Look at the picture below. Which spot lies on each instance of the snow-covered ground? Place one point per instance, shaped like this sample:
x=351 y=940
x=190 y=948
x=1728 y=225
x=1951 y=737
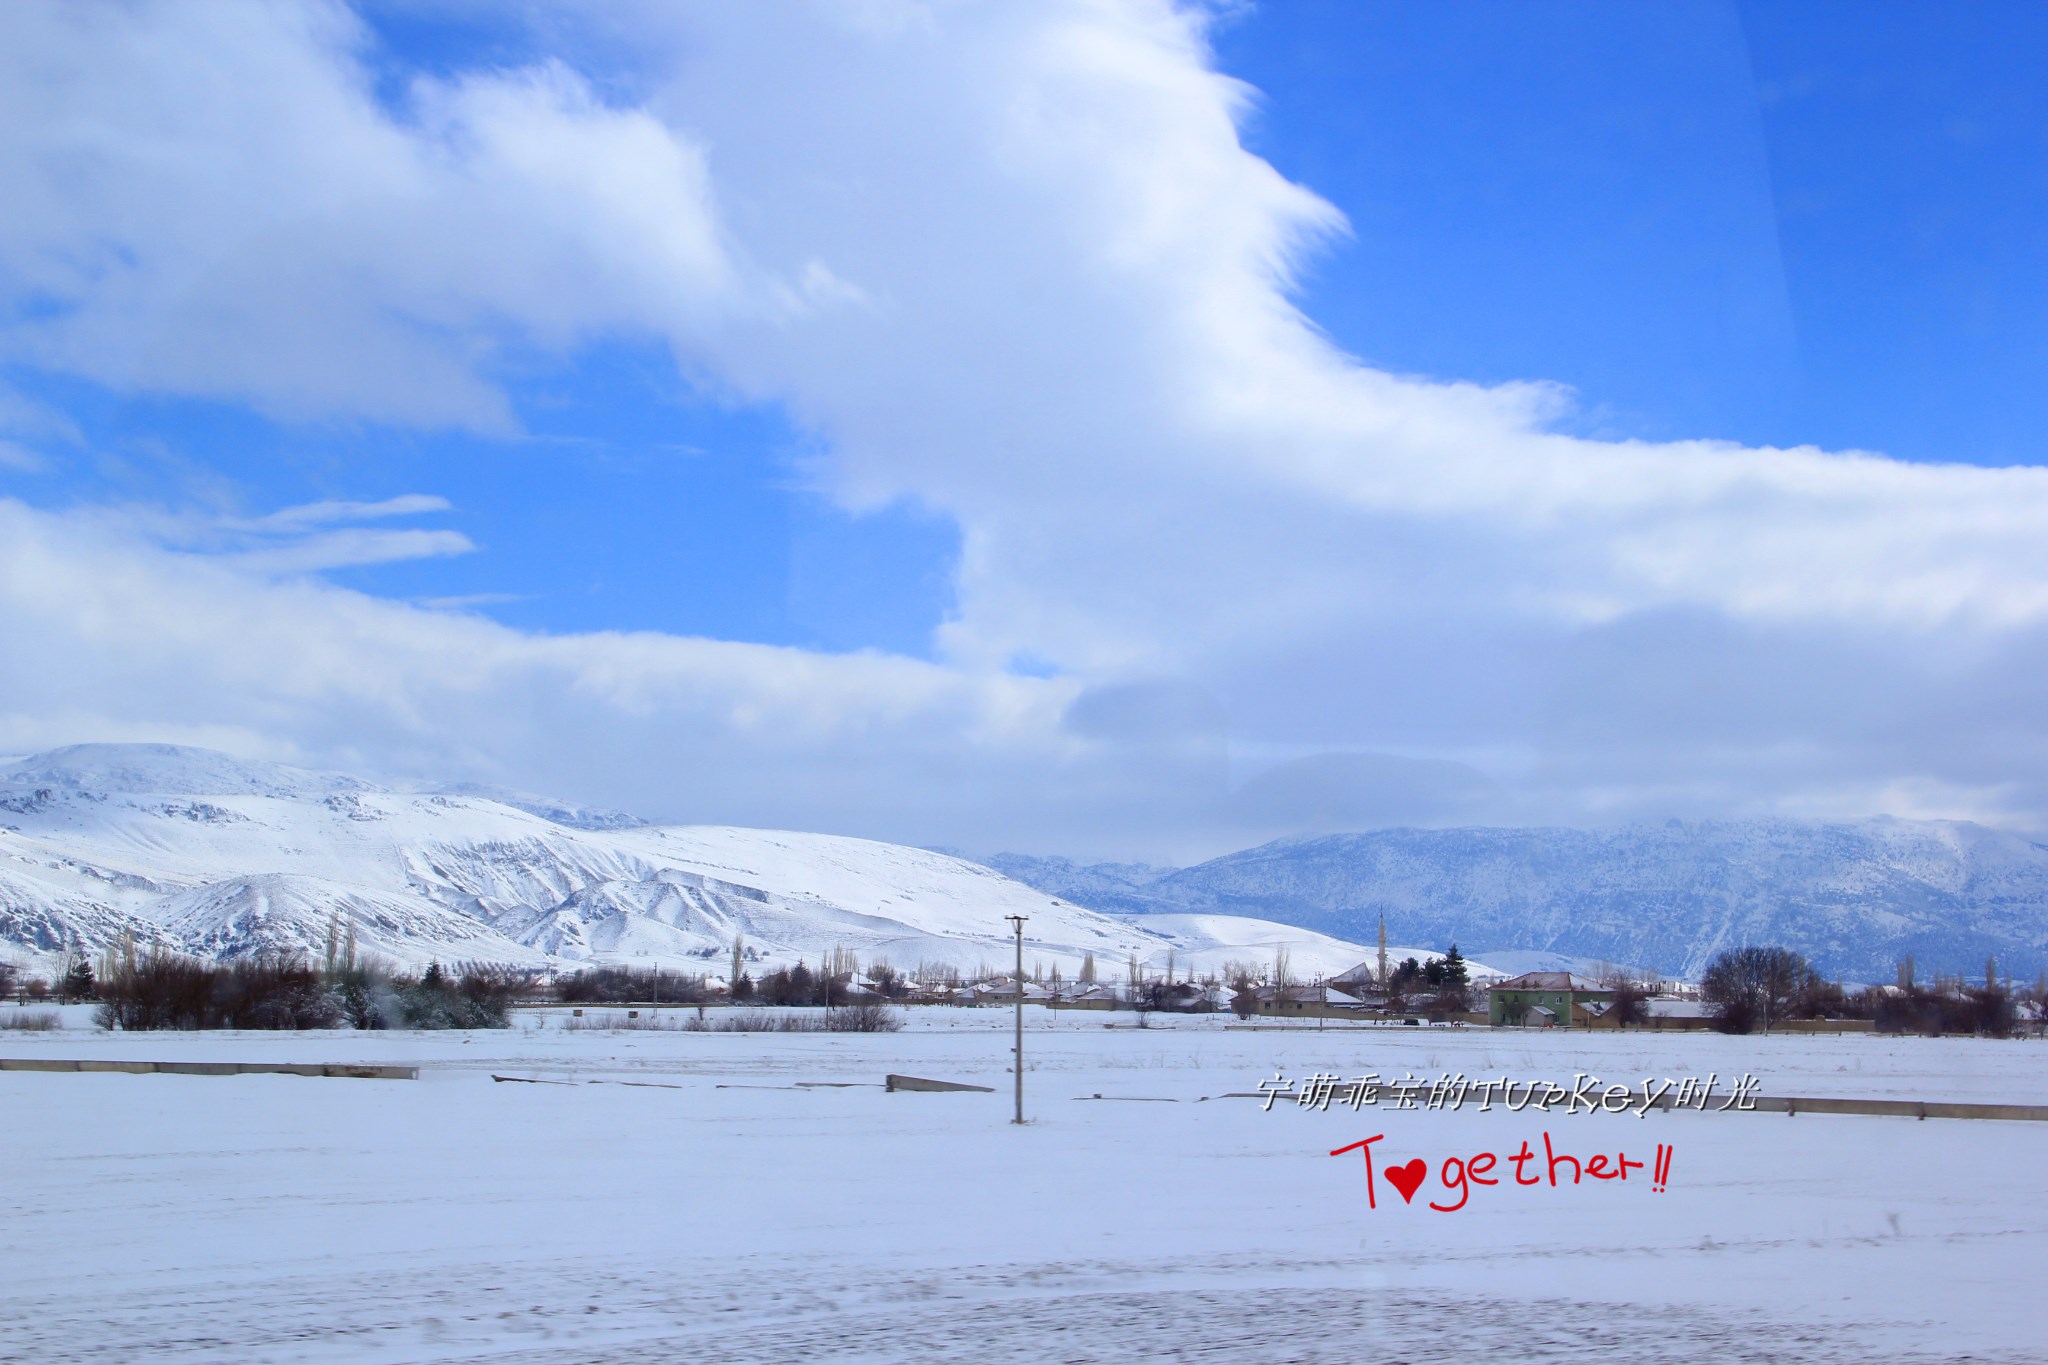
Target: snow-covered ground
x=723 y=1210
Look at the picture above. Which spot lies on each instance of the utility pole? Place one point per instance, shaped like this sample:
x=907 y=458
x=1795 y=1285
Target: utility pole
x=1018 y=1051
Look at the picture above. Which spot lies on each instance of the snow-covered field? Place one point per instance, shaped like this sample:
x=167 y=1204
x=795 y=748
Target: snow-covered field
x=722 y=1211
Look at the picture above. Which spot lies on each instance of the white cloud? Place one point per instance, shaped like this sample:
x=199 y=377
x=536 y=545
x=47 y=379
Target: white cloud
x=351 y=548
x=133 y=640
x=323 y=513
x=26 y=426
x=16 y=456
x=23 y=416
x=209 y=199
x=1010 y=261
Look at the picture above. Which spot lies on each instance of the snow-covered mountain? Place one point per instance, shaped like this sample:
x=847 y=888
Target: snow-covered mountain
x=1854 y=897
x=1114 y=888
x=215 y=855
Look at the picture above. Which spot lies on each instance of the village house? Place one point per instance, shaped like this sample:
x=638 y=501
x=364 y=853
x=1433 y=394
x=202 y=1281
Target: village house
x=1002 y=991
x=1090 y=997
x=1361 y=983
x=1547 y=1000
x=1665 y=1013
x=1321 y=1000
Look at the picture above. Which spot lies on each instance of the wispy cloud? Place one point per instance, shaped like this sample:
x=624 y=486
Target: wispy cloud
x=27 y=426
x=352 y=548
x=324 y=513
x=304 y=539
x=16 y=456
x=468 y=601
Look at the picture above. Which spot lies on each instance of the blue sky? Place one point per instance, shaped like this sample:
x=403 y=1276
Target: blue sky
x=1777 y=223
x=626 y=501
x=961 y=339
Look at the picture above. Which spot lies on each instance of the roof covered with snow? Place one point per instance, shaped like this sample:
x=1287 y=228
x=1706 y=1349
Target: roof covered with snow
x=1548 y=981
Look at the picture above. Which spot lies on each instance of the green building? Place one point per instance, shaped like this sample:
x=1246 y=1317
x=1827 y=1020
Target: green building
x=1545 y=999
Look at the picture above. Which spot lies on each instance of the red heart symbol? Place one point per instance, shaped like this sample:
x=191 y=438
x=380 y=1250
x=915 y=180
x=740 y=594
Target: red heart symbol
x=1408 y=1179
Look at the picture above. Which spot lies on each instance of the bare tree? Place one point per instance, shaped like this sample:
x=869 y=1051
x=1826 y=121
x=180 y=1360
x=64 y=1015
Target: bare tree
x=1754 y=987
x=1631 y=1002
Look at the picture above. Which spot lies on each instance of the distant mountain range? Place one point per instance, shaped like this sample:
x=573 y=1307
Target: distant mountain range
x=208 y=854
x=214 y=855
x=1854 y=897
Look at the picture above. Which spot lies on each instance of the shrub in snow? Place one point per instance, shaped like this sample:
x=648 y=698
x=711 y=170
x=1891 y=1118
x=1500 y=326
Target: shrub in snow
x=480 y=997
x=160 y=989
x=630 y=985
x=862 y=1018
x=166 y=990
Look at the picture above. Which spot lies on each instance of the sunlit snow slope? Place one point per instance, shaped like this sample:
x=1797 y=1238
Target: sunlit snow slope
x=212 y=855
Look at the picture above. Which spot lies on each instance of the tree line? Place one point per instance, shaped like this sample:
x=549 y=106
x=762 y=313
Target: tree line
x=1756 y=988
x=159 y=989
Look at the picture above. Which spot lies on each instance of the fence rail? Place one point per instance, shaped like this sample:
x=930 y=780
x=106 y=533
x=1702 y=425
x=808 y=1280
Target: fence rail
x=1416 y=1098
x=353 y=1070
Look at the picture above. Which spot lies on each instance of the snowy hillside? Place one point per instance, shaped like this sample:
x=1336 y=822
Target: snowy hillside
x=1854 y=897
x=217 y=856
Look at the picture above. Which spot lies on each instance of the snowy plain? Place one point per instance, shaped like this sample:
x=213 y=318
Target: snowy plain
x=718 y=1209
